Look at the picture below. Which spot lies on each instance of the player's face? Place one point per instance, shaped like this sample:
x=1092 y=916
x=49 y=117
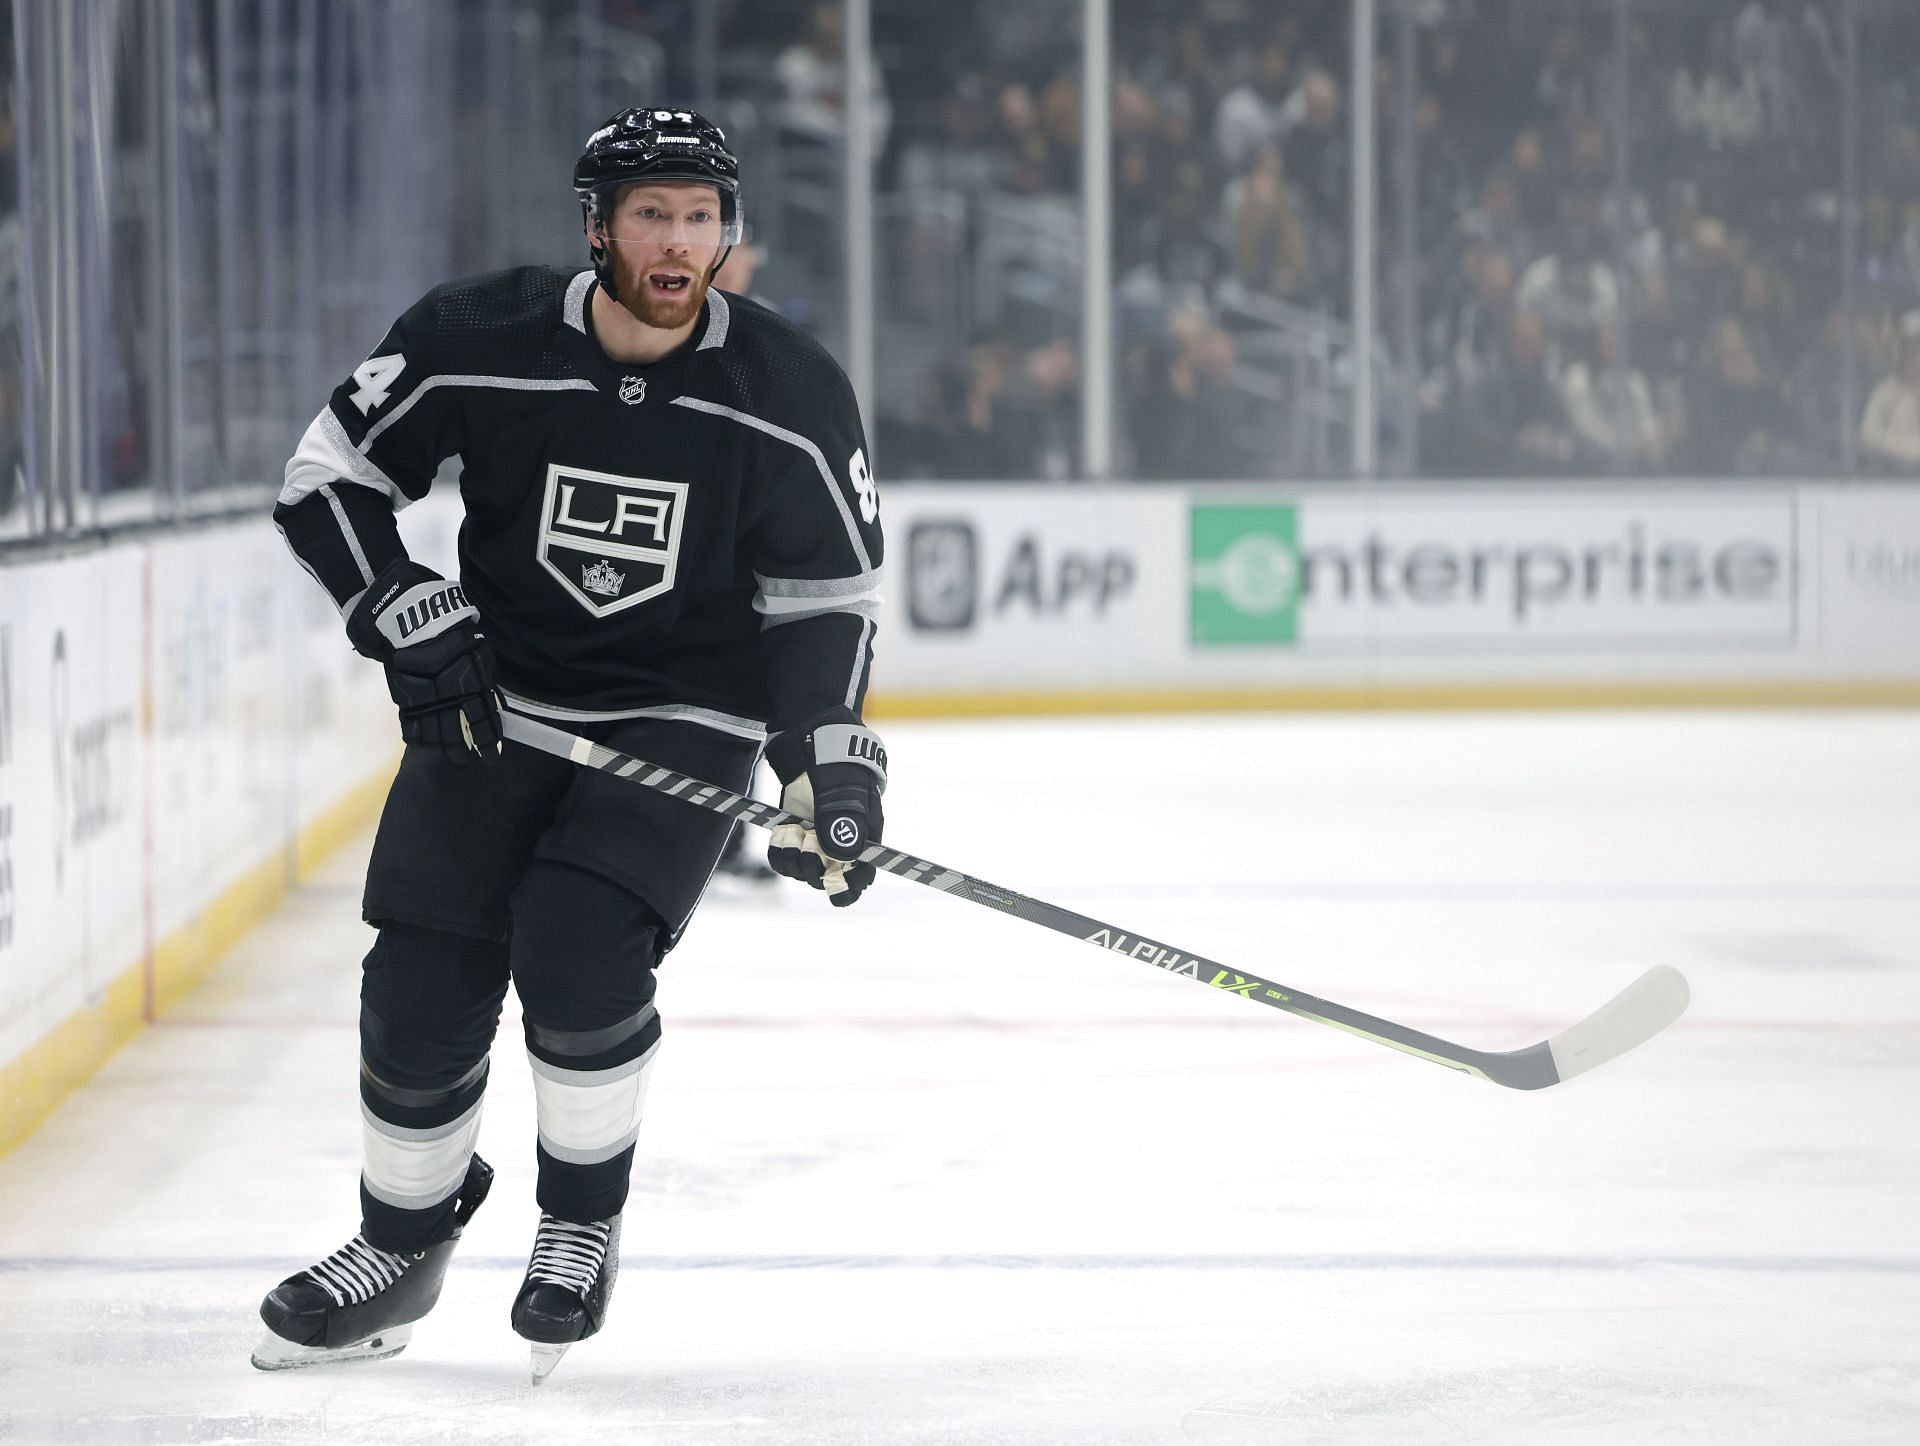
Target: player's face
x=663 y=241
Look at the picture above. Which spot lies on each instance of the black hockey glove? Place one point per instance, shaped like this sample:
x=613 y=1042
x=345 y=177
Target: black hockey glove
x=833 y=771
x=439 y=663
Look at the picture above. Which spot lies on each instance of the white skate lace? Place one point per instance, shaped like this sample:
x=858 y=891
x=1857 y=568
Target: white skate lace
x=568 y=1254
x=358 y=1271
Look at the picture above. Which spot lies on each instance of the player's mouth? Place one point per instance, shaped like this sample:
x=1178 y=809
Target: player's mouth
x=669 y=283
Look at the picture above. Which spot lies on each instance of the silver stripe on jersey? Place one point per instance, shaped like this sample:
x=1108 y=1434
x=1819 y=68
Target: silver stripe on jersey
x=796 y=611
x=674 y=712
x=794 y=599
x=719 y=317
x=327 y=454
x=346 y=528
x=859 y=664
x=574 y=309
x=511 y=384
x=806 y=445
x=861 y=584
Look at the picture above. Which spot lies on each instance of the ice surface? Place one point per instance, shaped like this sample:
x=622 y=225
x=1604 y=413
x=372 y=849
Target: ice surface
x=921 y=1173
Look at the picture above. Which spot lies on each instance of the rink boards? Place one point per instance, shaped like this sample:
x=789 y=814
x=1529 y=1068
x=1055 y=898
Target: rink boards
x=182 y=729
x=181 y=721
x=1006 y=597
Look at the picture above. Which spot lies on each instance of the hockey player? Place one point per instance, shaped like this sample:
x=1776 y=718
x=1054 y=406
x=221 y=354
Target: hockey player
x=671 y=544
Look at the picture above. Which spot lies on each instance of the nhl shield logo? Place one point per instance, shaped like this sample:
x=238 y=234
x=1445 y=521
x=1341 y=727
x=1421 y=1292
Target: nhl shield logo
x=610 y=541
x=633 y=390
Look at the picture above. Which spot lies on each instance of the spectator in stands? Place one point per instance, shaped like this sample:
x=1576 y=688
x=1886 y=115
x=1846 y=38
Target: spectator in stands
x=1536 y=435
x=1571 y=80
x=1502 y=417
x=1737 y=419
x=1185 y=404
x=812 y=73
x=1610 y=406
x=737 y=272
x=1443 y=176
x=957 y=155
x=1316 y=150
x=1024 y=141
x=1496 y=221
x=1270 y=254
x=1467 y=345
x=1788 y=52
x=1574 y=292
x=1252 y=116
x=998 y=413
x=1890 y=239
x=1890 y=430
x=1536 y=188
x=1708 y=280
x=1713 y=102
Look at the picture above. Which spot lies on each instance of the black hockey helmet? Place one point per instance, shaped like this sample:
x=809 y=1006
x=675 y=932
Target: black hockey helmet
x=644 y=144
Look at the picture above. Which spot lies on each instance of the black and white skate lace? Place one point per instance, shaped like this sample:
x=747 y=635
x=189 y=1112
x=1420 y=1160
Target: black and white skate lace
x=358 y=1271
x=567 y=1254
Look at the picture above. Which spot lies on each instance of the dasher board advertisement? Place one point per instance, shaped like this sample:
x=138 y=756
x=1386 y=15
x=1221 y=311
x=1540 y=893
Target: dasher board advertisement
x=1393 y=574
x=1012 y=589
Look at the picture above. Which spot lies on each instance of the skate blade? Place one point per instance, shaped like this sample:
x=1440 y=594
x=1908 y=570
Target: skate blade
x=274 y=1354
x=545 y=1358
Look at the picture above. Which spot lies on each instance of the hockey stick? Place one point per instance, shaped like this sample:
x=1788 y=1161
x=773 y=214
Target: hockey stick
x=1630 y=1018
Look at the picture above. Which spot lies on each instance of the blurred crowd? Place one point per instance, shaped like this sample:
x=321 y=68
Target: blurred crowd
x=1644 y=267
x=1682 y=243
x=1626 y=252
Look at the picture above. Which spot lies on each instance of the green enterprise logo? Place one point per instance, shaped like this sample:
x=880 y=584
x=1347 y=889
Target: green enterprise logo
x=1244 y=567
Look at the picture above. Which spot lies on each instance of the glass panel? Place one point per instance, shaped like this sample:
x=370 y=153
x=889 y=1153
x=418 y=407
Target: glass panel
x=1731 y=241
x=205 y=240
x=1630 y=233
x=978 y=239
x=1232 y=174
x=16 y=509
x=1513 y=155
x=780 y=77
x=1883 y=406
x=120 y=292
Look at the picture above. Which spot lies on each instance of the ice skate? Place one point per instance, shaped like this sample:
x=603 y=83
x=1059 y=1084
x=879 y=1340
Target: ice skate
x=569 y=1282
x=360 y=1303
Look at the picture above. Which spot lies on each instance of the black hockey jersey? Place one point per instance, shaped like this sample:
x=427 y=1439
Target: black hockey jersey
x=696 y=538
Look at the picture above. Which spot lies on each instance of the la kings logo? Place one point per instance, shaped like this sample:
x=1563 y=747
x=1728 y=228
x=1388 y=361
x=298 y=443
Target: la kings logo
x=610 y=541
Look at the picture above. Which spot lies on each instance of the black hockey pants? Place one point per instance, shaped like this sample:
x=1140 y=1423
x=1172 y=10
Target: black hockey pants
x=569 y=884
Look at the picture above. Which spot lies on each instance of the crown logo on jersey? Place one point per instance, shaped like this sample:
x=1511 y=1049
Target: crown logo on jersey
x=633 y=390
x=600 y=577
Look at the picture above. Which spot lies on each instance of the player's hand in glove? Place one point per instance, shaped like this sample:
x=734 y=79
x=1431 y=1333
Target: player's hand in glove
x=439 y=663
x=833 y=771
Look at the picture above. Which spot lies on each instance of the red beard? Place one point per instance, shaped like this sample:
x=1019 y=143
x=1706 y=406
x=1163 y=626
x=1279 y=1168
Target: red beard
x=667 y=311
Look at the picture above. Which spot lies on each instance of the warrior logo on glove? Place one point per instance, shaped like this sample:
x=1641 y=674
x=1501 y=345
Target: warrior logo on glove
x=439 y=664
x=834 y=771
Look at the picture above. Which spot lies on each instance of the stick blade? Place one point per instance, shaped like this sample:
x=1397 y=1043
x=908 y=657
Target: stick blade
x=1631 y=1018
